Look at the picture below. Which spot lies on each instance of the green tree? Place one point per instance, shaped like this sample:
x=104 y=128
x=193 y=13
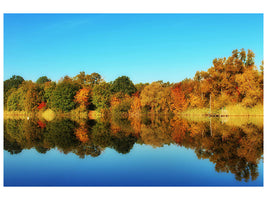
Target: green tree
x=16 y=100
x=123 y=84
x=101 y=95
x=80 y=78
x=94 y=79
x=12 y=83
x=63 y=96
x=42 y=80
x=49 y=88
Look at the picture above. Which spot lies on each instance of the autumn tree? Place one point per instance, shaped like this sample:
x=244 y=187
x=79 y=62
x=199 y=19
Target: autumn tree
x=178 y=98
x=155 y=97
x=27 y=97
x=135 y=109
x=33 y=96
x=249 y=87
x=230 y=80
x=65 y=79
x=83 y=97
x=140 y=86
x=120 y=105
x=195 y=101
x=187 y=86
x=86 y=79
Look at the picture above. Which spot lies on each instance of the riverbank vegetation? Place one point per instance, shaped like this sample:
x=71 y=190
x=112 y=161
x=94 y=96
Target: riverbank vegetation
x=231 y=86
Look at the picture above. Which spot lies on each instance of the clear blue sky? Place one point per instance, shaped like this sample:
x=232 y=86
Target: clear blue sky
x=145 y=47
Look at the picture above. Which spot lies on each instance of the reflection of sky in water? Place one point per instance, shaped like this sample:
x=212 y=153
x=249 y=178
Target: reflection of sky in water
x=144 y=165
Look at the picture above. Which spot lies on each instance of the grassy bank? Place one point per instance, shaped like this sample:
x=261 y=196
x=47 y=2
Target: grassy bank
x=238 y=121
x=230 y=110
x=243 y=111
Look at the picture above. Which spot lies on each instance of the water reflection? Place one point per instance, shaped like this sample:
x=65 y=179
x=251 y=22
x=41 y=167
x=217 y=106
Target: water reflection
x=233 y=145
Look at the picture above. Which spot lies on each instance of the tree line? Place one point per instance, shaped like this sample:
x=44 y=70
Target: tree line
x=232 y=80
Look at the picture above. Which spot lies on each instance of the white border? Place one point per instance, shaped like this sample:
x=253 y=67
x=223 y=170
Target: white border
x=124 y=6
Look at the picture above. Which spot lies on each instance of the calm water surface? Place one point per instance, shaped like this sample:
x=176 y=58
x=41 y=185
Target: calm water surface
x=138 y=152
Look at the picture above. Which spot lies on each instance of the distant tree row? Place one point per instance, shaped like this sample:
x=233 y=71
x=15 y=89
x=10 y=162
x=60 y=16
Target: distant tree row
x=231 y=80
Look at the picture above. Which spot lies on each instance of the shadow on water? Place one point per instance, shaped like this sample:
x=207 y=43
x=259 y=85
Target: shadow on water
x=234 y=145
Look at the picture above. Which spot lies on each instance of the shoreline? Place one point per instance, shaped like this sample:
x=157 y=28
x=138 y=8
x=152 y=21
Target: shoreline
x=93 y=114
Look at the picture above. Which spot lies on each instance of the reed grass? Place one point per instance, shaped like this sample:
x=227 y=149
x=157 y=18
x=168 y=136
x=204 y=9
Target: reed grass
x=229 y=110
x=238 y=109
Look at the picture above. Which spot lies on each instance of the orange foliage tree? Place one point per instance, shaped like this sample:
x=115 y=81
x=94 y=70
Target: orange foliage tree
x=178 y=98
x=83 y=97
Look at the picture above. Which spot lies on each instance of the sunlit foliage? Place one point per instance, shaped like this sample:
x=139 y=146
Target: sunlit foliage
x=155 y=97
x=235 y=80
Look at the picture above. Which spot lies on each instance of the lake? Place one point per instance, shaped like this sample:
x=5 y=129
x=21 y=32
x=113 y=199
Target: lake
x=144 y=151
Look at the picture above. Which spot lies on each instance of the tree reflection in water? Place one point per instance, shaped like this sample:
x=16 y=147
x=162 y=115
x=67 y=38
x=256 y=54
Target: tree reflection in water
x=233 y=146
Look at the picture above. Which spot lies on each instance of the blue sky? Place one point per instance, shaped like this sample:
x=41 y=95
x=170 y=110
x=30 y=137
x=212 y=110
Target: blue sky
x=145 y=47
